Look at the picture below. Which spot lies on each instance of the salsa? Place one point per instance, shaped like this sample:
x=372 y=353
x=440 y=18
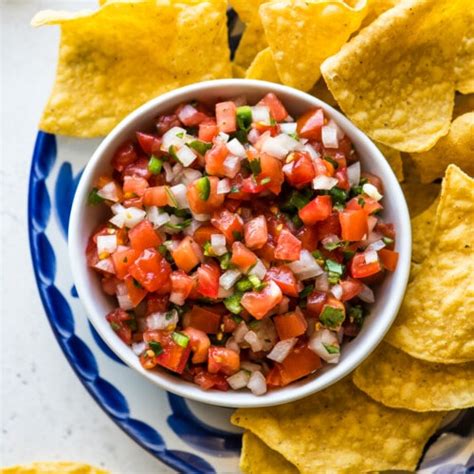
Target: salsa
x=242 y=244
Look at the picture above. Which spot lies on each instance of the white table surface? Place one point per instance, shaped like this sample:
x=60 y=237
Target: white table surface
x=46 y=414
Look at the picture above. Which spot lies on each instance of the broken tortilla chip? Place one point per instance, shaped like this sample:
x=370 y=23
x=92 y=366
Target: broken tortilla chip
x=398 y=380
x=103 y=74
x=53 y=467
x=263 y=67
x=435 y=321
x=464 y=67
x=397 y=87
x=302 y=34
x=320 y=90
x=457 y=147
x=359 y=434
x=393 y=158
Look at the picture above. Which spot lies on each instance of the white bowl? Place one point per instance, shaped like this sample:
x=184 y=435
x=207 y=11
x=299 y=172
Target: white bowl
x=84 y=219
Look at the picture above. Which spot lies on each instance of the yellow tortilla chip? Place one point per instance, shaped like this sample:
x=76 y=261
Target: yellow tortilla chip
x=321 y=91
x=397 y=380
x=257 y=458
x=53 y=467
x=436 y=322
x=302 y=34
x=375 y=8
x=456 y=147
x=238 y=71
x=464 y=68
x=463 y=104
x=340 y=429
x=394 y=159
x=422 y=227
x=263 y=67
x=252 y=42
x=103 y=74
x=397 y=86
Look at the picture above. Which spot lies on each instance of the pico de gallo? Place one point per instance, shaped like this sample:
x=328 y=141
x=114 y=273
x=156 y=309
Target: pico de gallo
x=242 y=244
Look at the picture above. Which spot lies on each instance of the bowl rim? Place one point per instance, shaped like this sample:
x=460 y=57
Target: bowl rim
x=177 y=385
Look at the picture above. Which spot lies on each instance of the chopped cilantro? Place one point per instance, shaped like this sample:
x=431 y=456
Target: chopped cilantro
x=306 y=291
x=93 y=199
x=156 y=347
x=357 y=315
x=335 y=271
x=255 y=166
x=339 y=196
x=244 y=285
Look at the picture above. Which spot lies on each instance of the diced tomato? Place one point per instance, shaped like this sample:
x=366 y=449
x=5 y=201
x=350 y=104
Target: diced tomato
x=207 y=381
x=316 y=301
x=149 y=143
x=301 y=361
x=208 y=279
x=118 y=320
x=199 y=342
x=272 y=128
x=309 y=125
x=242 y=257
x=369 y=205
x=309 y=237
x=323 y=167
x=250 y=185
x=208 y=131
x=203 y=234
x=125 y=155
x=291 y=324
x=215 y=158
x=354 y=225
x=138 y=168
x=259 y=303
x=302 y=171
x=229 y=323
x=122 y=260
x=237 y=192
x=181 y=284
x=350 y=288
x=151 y=270
x=256 y=232
x=389 y=259
x=387 y=230
x=288 y=246
x=273 y=377
x=190 y=119
x=342 y=179
x=134 y=185
x=156 y=303
x=166 y=122
x=277 y=109
x=329 y=226
x=360 y=269
x=285 y=279
x=204 y=206
x=135 y=291
x=267 y=252
x=271 y=170
x=229 y=223
x=157 y=196
x=226 y=116
x=223 y=360
x=143 y=236
x=109 y=284
x=317 y=210
x=203 y=319
x=187 y=254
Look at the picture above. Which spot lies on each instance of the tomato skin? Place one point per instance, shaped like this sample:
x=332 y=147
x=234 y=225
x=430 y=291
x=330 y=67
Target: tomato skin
x=389 y=259
x=200 y=206
x=118 y=319
x=277 y=109
x=203 y=234
x=302 y=171
x=350 y=288
x=288 y=246
x=186 y=255
x=122 y=260
x=208 y=279
x=290 y=325
x=316 y=210
x=208 y=130
x=259 y=303
x=360 y=269
x=203 y=319
x=109 y=285
x=285 y=279
x=143 y=236
x=387 y=230
x=156 y=303
x=256 y=233
x=124 y=156
x=230 y=224
x=207 y=381
x=354 y=225
x=149 y=143
x=316 y=301
x=309 y=237
x=215 y=158
x=156 y=196
x=226 y=116
x=309 y=125
x=199 y=343
x=223 y=360
x=151 y=270
x=242 y=257
x=301 y=361
x=273 y=377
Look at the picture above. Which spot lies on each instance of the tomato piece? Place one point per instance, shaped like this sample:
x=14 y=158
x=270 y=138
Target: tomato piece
x=151 y=270
x=208 y=279
x=329 y=226
x=316 y=210
x=369 y=205
x=285 y=279
x=118 y=320
x=259 y=303
x=203 y=234
x=138 y=168
x=157 y=196
x=389 y=259
x=309 y=237
x=223 y=360
x=187 y=254
x=199 y=205
x=207 y=381
x=315 y=303
x=354 y=225
x=208 y=131
x=215 y=158
x=277 y=109
x=203 y=319
x=135 y=291
x=291 y=324
x=122 y=260
x=309 y=125
x=143 y=236
x=150 y=144
x=267 y=252
x=124 y=156
x=271 y=170
x=360 y=269
x=229 y=323
x=226 y=116
x=199 y=343
x=134 y=186
x=387 y=230
x=350 y=288
x=302 y=171
x=156 y=303
x=242 y=257
x=229 y=223
x=190 y=117
x=273 y=377
x=250 y=185
x=181 y=284
x=256 y=233
x=288 y=246
x=166 y=122
x=342 y=179
x=301 y=361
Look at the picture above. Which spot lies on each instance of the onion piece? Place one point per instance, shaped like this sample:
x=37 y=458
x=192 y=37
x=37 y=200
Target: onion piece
x=232 y=344
x=172 y=138
x=231 y=166
x=261 y=114
x=202 y=217
x=312 y=152
x=353 y=173
x=253 y=136
x=377 y=245
x=186 y=156
x=222 y=137
x=105 y=265
x=177 y=298
x=326 y=345
x=229 y=278
x=139 y=348
x=186 y=112
x=329 y=137
x=371 y=256
x=324 y=182
x=281 y=350
x=162 y=321
x=336 y=290
x=239 y=333
x=372 y=191
x=306 y=267
x=257 y=383
x=256 y=344
x=258 y=270
x=190 y=175
x=288 y=127
x=192 y=227
x=156 y=217
x=280 y=145
x=250 y=366
x=127 y=216
x=218 y=244
x=110 y=192
x=236 y=148
x=340 y=133
x=223 y=186
x=169 y=174
x=106 y=244
x=123 y=297
x=239 y=380
x=322 y=282
x=367 y=295
x=179 y=192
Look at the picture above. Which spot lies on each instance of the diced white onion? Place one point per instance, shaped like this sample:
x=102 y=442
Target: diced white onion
x=312 y=152
x=256 y=344
x=171 y=138
x=106 y=244
x=223 y=293
x=232 y=344
x=222 y=137
x=372 y=191
x=218 y=244
x=186 y=112
x=179 y=192
x=229 y=278
x=239 y=380
x=186 y=156
x=177 y=298
x=223 y=186
x=319 y=340
x=367 y=295
x=288 y=168
x=162 y=321
x=253 y=136
x=239 y=100
x=231 y=166
x=353 y=173
x=250 y=366
x=329 y=137
x=371 y=223
x=265 y=329
x=280 y=145
x=236 y=148
x=191 y=228
x=174 y=221
x=330 y=239
x=110 y=192
x=128 y=216
x=105 y=265
x=339 y=132
x=156 y=217
x=336 y=290
x=257 y=383
x=306 y=267
x=372 y=237
x=324 y=182
x=190 y=175
x=282 y=349
x=202 y=217
x=261 y=114
x=171 y=245
x=169 y=175
x=240 y=332
x=371 y=256
x=288 y=127
x=377 y=245
x=138 y=348
x=322 y=283
x=258 y=270
x=123 y=297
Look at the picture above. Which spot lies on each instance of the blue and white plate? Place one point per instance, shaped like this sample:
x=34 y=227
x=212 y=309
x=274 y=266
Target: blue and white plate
x=188 y=436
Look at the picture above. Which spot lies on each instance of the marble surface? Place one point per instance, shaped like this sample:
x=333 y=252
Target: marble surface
x=45 y=412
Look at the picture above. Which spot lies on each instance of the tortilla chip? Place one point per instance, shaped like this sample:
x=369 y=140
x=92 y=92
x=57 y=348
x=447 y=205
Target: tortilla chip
x=463 y=104
x=464 y=68
x=104 y=74
x=238 y=71
x=397 y=380
x=399 y=87
x=456 y=147
x=263 y=67
x=302 y=34
x=252 y=42
x=394 y=159
x=321 y=91
x=53 y=467
x=375 y=8
x=436 y=322
x=422 y=227
x=257 y=458
x=340 y=429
